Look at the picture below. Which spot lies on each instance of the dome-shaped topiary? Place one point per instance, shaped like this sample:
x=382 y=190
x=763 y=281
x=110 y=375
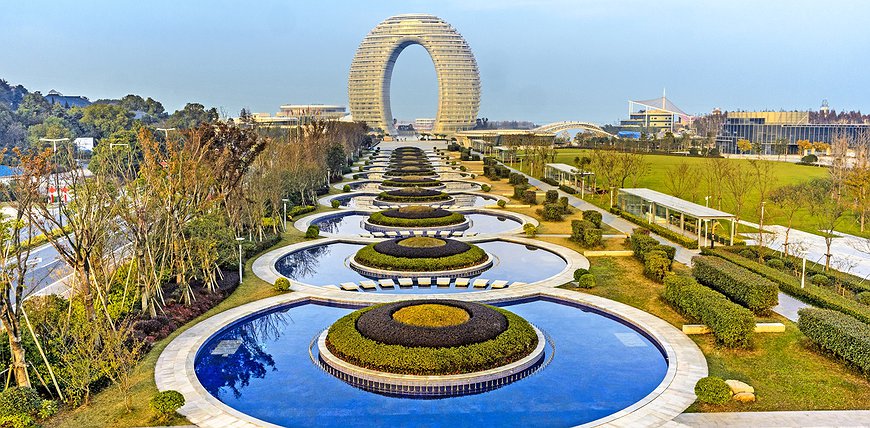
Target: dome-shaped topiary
x=165 y=403
x=713 y=390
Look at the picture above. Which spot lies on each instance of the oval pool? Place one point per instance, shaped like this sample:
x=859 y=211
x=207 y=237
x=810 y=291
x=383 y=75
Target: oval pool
x=261 y=366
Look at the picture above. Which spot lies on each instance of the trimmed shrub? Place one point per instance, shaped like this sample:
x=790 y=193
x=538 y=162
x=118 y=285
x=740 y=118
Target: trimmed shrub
x=656 y=265
x=551 y=197
x=749 y=253
x=313 y=231
x=19 y=401
x=586 y=281
x=335 y=203
x=550 y=212
x=732 y=325
x=549 y=181
x=585 y=233
x=563 y=201
x=642 y=243
x=530 y=197
x=775 y=263
x=530 y=230
x=485 y=188
x=863 y=297
x=501 y=203
x=300 y=210
x=370 y=257
x=165 y=403
x=669 y=251
x=812 y=294
x=739 y=284
x=568 y=189
x=519 y=190
x=390 y=218
x=810 y=158
x=281 y=284
x=593 y=216
x=579 y=272
x=840 y=334
x=821 y=280
x=713 y=390
x=346 y=188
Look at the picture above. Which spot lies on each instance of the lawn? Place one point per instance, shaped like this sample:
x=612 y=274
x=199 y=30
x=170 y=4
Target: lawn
x=784 y=173
x=785 y=369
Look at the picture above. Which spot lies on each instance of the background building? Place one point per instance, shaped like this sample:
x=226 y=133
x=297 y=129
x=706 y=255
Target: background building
x=777 y=132
x=294 y=114
x=372 y=69
x=56 y=97
x=424 y=124
x=654 y=116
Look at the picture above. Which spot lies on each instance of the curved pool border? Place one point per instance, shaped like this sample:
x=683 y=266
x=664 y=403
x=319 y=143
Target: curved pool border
x=175 y=368
x=303 y=223
x=264 y=268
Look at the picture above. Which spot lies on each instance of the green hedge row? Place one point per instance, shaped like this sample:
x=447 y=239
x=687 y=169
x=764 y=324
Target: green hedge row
x=346 y=342
x=381 y=219
x=739 y=284
x=844 y=336
x=812 y=294
x=659 y=230
x=732 y=324
x=299 y=210
x=368 y=256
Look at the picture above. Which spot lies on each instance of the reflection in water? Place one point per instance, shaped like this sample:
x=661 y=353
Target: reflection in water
x=301 y=264
x=233 y=372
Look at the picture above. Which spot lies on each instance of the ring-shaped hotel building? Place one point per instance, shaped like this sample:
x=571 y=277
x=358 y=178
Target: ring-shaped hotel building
x=455 y=66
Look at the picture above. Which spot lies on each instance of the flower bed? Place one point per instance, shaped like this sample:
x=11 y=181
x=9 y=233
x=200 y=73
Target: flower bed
x=391 y=255
x=416 y=216
x=516 y=341
x=413 y=194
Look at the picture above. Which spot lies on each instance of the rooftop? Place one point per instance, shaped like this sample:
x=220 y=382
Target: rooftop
x=677 y=204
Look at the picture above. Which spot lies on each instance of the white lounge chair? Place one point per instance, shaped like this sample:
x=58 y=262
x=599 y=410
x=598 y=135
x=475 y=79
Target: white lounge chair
x=378 y=234
x=349 y=286
x=442 y=282
x=424 y=282
x=387 y=283
x=461 y=282
x=368 y=285
x=406 y=282
x=480 y=283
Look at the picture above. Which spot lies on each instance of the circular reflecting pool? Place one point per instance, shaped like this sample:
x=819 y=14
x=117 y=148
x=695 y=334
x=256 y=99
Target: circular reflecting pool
x=351 y=224
x=327 y=264
x=261 y=366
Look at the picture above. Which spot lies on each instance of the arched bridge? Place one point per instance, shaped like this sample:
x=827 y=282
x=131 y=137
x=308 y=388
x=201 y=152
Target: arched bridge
x=557 y=127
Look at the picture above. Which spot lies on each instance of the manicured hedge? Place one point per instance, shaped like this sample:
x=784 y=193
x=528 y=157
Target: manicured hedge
x=346 y=342
x=713 y=390
x=368 y=256
x=739 y=284
x=300 y=210
x=812 y=294
x=406 y=195
x=641 y=244
x=484 y=323
x=844 y=336
x=380 y=218
x=732 y=325
x=593 y=216
x=659 y=230
x=404 y=247
x=585 y=233
x=568 y=189
x=421 y=183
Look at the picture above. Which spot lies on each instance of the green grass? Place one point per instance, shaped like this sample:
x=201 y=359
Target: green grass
x=787 y=371
x=784 y=173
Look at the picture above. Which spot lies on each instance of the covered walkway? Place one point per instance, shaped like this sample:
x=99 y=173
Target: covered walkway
x=680 y=215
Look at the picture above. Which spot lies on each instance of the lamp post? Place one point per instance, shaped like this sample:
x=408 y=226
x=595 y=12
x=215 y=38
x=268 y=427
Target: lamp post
x=611 y=195
x=285 y=200
x=241 y=265
x=804 y=271
x=707 y=201
x=166 y=131
x=54 y=142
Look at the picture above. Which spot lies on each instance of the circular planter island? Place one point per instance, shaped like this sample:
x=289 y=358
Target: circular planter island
x=413 y=195
x=412 y=181
x=416 y=218
x=420 y=256
x=431 y=348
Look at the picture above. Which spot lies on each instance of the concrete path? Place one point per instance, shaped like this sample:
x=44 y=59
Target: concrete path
x=788 y=306
x=828 y=418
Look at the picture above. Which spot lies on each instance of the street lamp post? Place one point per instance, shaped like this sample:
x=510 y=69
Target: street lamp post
x=241 y=265
x=707 y=201
x=166 y=131
x=285 y=200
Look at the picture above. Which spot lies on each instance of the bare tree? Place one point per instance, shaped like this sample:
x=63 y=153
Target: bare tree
x=737 y=181
x=763 y=179
x=789 y=199
x=680 y=179
x=825 y=210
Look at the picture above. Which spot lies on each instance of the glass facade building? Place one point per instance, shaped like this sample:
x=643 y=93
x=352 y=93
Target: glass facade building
x=779 y=132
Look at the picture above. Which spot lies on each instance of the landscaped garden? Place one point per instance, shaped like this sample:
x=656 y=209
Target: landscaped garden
x=421 y=254
x=416 y=216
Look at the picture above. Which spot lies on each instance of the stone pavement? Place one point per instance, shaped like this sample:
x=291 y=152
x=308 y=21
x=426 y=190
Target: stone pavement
x=827 y=418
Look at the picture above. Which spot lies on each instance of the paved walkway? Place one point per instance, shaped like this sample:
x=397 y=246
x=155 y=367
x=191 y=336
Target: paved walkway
x=829 y=418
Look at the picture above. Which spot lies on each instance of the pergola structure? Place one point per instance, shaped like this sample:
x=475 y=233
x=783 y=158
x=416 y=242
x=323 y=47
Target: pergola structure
x=656 y=207
x=567 y=175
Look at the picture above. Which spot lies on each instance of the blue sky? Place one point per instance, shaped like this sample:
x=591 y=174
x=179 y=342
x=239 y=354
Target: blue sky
x=540 y=60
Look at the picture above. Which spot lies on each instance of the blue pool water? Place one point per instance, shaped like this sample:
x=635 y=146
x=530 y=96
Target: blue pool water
x=326 y=264
x=351 y=224
x=599 y=367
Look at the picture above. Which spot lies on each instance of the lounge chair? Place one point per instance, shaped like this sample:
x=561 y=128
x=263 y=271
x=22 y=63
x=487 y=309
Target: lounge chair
x=461 y=282
x=349 y=286
x=387 y=283
x=368 y=285
x=424 y=282
x=498 y=284
x=480 y=283
x=406 y=282
x=442 y=282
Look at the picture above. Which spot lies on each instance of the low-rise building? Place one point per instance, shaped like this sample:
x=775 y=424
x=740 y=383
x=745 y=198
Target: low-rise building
x=778 y=132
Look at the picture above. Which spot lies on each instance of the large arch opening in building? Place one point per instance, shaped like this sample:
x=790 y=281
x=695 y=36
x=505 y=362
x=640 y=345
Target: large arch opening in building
x=456 y=69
